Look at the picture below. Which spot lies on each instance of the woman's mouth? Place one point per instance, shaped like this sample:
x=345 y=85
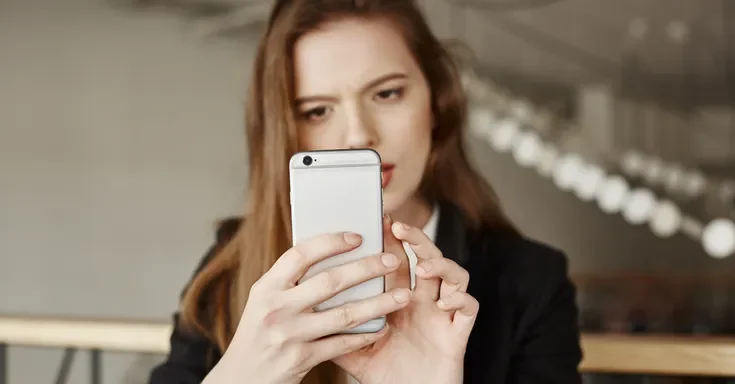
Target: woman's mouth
x=387 y=174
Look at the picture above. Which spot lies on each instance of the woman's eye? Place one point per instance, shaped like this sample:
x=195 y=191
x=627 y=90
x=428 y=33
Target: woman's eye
x=315 y=114
x=390 y=94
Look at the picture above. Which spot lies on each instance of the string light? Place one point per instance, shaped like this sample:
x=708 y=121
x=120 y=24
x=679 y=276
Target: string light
x=665 y=219
x=638 y=207
x=718 y=238
x=567 y=171
x=591 y=182
x=612 y=194
x=503 y=134
x=527 y=149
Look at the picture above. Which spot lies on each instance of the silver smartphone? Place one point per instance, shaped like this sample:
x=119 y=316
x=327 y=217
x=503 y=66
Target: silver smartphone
x=338 y=191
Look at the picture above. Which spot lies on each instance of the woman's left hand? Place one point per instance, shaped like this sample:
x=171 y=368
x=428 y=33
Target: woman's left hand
x=426 y=340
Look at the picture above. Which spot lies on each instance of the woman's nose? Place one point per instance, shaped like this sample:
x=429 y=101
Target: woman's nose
x=360 y=130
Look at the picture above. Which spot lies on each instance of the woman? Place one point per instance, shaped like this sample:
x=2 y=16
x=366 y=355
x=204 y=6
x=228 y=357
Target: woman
x=488 y=306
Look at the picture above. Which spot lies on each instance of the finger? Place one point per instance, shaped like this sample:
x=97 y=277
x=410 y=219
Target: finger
x=454 y=278
x=293 y=264
x=426 y=289
x=417 y=239
x=465 y=308
x=316 y=325
x=401 y=278
x=334 y=347
x=332 y=281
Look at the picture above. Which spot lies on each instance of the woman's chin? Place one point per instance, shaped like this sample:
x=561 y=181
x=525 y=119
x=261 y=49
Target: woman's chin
x=390 y=203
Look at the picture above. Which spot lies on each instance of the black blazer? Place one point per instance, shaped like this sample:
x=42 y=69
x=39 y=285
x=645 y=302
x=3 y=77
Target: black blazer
x=526 y=331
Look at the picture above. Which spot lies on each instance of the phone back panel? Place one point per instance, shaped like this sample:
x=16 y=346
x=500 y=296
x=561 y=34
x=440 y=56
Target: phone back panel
x=340 y=191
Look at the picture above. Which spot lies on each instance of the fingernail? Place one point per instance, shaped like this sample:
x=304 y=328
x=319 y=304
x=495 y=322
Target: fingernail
x=402 y=295
x=441 y=304
x=389 y=260
x=404 y=226
x=352 y=238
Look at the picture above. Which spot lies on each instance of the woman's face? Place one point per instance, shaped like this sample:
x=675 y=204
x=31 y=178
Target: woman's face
x=358 y=86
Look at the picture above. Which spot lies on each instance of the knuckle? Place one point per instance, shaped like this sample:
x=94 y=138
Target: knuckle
x=298 y=357
x=272 y=313
x=329 y=281
x=299 y=253
x=270 y=318
x=255 y=289
x=464 y=275
x=348 y=344
x=278 y=336
x=345 y=316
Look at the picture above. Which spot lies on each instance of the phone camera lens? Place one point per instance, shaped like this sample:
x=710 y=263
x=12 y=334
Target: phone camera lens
x=308 y=160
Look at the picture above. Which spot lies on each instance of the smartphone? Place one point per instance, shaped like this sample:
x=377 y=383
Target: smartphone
x=340 y=191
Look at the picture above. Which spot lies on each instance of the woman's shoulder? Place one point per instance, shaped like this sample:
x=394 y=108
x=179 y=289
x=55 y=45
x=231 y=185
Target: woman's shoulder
x=520 y=255
x=506 y=260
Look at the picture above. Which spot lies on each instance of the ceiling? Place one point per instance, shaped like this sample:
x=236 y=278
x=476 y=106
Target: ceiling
x=680 y=52
x=676 y=49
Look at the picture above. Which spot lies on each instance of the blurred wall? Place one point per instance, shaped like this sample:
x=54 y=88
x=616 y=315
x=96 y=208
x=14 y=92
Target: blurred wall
x=121 y=143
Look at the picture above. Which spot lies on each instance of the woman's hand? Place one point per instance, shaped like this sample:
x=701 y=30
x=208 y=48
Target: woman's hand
x=427 y=339
x=280 y=338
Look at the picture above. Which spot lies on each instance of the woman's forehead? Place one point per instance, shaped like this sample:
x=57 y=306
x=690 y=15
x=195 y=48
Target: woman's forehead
x=348 y=54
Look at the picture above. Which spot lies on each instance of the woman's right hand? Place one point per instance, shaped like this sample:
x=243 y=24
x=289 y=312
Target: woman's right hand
x=280 y=338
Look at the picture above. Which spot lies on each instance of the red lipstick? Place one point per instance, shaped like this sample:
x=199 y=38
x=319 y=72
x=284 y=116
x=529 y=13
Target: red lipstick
x=387 y=174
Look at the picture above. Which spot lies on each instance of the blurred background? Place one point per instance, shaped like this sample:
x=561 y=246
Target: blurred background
x=606 y=126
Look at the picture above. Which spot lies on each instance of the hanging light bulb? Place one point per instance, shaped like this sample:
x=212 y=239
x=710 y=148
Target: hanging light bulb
x=638 y=207
x=567 y=171
x=632 y=163
x=527 y=149
x=521 y=110
x=612 y=194
x=653 y=171
x=590 y=181
x=694 y=183
x=503 y=134
x=547 y=160
x=665 y=219
x=718 y=238
x=481 y=120
x=674 y=178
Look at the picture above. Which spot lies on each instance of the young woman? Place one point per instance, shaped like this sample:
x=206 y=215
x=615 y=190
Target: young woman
x=488 y=306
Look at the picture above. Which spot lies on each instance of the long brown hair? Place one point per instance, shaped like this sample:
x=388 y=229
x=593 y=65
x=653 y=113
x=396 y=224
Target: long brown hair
x=216 y=297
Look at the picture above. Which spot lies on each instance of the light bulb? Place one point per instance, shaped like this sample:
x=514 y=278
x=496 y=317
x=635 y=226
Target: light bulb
x=481 y=120
x=589 y=182
x=632 y=163
x=674 y=178
x=547 y=160
x=718 y=238
x=653 y=171
x=521 y=110
x=666 y=219
x=694 y=183
x=639 y=205
x=567 y=171
x=527 y=149
x=612 y=194
x=503 y=134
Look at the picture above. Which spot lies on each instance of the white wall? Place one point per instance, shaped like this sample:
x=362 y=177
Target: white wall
x=121 y=143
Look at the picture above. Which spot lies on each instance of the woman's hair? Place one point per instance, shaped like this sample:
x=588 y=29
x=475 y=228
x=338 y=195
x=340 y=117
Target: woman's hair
x=216 y=297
